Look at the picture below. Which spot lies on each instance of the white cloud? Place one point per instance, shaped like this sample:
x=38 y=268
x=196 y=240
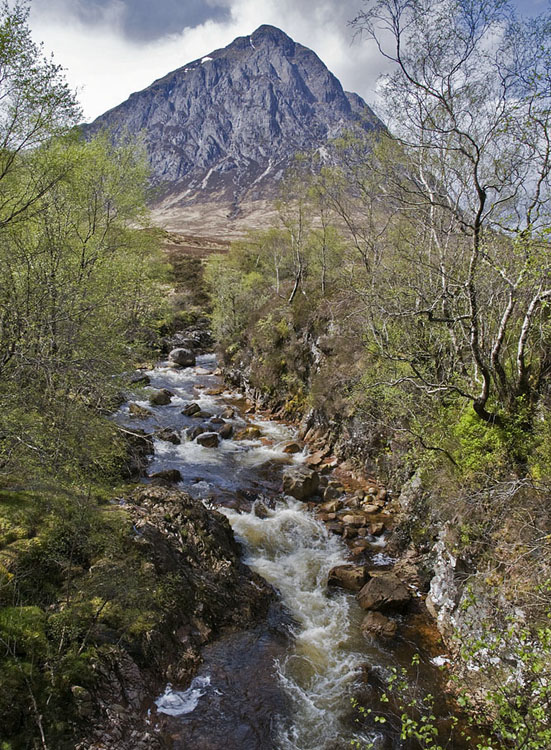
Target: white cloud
x=106 y=67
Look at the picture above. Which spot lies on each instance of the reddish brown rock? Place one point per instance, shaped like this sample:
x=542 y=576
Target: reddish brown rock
x=385 y=593
x=349 y=577
x=300 y=482
x=374 y=623
x=331 y=506
x=292 y=447
x=377 y=529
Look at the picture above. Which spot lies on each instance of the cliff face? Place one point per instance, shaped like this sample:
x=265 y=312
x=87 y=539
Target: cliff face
x=228 y=125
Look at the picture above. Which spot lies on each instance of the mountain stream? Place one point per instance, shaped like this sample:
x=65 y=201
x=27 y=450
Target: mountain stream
x=287 y=684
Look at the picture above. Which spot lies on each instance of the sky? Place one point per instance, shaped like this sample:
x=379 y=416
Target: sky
x=110 y=48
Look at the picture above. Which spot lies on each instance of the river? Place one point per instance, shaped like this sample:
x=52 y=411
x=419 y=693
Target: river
x=289 y=683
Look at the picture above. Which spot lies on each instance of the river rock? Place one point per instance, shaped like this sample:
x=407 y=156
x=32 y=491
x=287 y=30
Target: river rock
x=384 y=592
x=375 y=623
x=168 y=436
x=138 y=412
x=316 y=458
x=377 y=529
x=208 y=439
x=333 y=491
x=182 y=357
x=349 y=577
x=335 y=527
x=249 y=433
x=216 y=420
x=300 y=482
x=201 y=414
x=228 y=413
x=160 y=398
x=226 y=431
x=331 y=506
x=292 y=447
x=140 y=378
x=190 y=409
x=353 y=519
x=193 y=432
x=370 y=508
x=166 y=475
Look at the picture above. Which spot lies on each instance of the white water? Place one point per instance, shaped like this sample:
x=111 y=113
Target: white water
x=178 y=703
x=291 y=550
x=287 y=547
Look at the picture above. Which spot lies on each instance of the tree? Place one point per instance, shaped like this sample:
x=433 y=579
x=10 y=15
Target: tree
x=77 y=278
x=469 y=101
x=35 y=105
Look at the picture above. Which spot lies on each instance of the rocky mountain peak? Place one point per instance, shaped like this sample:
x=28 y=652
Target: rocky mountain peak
x=226 y=126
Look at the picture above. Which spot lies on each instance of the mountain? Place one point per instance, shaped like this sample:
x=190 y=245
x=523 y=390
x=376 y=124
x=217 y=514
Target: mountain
x=225 y=127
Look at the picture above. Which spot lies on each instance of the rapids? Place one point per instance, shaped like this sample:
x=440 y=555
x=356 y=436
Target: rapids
x=287 y=684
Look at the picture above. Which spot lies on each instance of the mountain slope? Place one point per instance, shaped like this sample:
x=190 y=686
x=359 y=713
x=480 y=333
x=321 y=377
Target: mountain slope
x=226 y=126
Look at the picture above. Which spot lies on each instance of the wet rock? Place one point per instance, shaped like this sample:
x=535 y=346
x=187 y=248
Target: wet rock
x=182 y=357
x=333 y=491
x=140 y=378
x=193 y=432
x=370 y=508
x=316 y=458
x=292 y=447
x=217 y=420
x=349 y=577
x=169 y=436
x=228 y=413
x=138 y=412
x=353 y=519
x=170 y=476
x=160 y=398
x=385 y=592
x=375 y=623
x=300 y=482
x=326 y=517
x=249 y=433
x=201 y=414
x=190 y=409
x=208 y=439
x=226 y=431
x=331 y=506
x=377 y=529
x=335 y=527
x=350 y=532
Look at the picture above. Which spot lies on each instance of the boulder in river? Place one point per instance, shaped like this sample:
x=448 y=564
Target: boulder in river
x=375 y=623
x=349 y=577
x=193 y=432
x=140 y=378
x=292 y=447
x=171 y=476
x=168 y=436
x=228 y=413
x=190 y=409
x=385 y=593
x=249 y=433
x=138 y=412
x=208 y=439
x=226 y=431
x=160 y=398
x=333 y=491
x=300 y=482
x=182 y=357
